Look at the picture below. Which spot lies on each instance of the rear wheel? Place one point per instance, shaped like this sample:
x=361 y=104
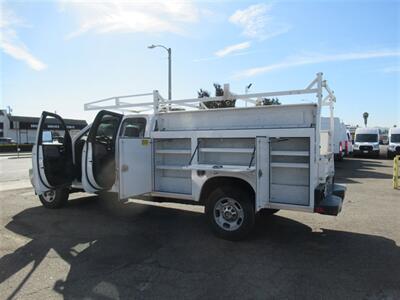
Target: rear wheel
x=54 y=198
x=230 y=212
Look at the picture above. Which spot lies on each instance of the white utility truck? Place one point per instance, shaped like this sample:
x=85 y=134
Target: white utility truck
x=366 y=142
x=237 y=161
x=394 y=142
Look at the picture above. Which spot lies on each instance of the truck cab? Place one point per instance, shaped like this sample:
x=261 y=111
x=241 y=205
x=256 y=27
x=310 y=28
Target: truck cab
x=366 y=142
x=394 y=142
x=89 y=162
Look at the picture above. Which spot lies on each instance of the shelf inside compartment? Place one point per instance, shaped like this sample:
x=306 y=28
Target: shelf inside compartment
x=227 y=150
x=290 y=165
x=224 y=168
x=171 y=167
x=179 y=185
x=290 y=153
x=173 y=151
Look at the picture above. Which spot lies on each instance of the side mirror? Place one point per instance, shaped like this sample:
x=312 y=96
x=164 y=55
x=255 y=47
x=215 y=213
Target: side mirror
x=47 y=137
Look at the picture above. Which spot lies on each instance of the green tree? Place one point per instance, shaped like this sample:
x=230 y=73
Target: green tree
x=270 y=101
x=219 y=92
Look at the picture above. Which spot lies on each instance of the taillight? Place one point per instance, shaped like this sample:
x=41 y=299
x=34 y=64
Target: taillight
x=346 y=145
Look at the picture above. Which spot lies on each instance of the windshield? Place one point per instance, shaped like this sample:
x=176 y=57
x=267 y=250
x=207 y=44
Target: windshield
x=395 y=138
x=366 y=138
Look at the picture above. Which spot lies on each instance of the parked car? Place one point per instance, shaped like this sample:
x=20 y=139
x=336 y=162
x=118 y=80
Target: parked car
x=366 y=142
x=394 y=142
x=7 y=141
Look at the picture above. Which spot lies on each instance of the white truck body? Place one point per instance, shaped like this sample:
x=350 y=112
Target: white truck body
x=276 y=152
x=394 y=142
x=339 y=136
x=349 y=142
x=366 y=142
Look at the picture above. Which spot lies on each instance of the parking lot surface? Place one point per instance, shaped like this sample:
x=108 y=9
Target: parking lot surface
x=94 y=250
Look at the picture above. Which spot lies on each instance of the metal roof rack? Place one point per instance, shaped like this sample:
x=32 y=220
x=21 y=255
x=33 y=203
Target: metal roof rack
x=141 y=102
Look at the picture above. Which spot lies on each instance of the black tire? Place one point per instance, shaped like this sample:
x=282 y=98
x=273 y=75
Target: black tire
x=244 y=205
x=55 y=198
x=266 y=212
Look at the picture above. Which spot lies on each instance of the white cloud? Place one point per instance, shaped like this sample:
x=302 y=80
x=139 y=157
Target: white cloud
x=257 y=22
x=10 y=42
x=316 y=59
x=232 y=48
x=132 y=16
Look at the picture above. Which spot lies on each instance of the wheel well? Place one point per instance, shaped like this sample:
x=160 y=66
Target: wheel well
x=214 y=182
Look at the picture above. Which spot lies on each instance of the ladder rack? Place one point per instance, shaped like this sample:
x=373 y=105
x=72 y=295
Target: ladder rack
x=154 y=102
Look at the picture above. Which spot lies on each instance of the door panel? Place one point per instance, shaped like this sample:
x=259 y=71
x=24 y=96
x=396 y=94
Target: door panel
x=98 y=155
x=263 y=184
x=52 y=159
x=134 y=167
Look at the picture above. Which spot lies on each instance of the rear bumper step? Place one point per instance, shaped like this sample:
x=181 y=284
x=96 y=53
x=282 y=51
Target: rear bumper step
x=339 y=190
x=332 y=204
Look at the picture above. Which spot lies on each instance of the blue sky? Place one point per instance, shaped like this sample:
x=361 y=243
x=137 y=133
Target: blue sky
x=57 y=55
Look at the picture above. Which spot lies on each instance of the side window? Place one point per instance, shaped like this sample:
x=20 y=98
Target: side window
x=107 y=128
x=133 y=128
x=53 y=131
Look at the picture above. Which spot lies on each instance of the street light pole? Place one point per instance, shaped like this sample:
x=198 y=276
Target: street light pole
x=169 y=71
x=169 y=76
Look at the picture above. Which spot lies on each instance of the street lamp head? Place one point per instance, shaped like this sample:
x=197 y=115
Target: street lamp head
x=151 y=46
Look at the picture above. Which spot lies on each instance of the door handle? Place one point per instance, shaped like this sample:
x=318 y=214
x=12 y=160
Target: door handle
x=260 y=173
x=124 y=168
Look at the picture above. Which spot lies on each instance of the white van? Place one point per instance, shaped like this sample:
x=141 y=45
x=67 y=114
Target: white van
x=349 y=143
x=366 y=142
x=339 y=136
x=394 y=142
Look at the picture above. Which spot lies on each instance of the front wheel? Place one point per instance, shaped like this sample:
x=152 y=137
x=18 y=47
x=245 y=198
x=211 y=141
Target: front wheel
x=230 y=212
x=54 y=198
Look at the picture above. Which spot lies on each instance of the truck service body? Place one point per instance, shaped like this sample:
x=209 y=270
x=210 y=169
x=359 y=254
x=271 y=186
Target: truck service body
x=340 y=142
x=236 y=161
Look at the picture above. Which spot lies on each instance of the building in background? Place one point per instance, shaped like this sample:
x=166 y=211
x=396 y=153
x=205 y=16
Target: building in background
x=23 y=129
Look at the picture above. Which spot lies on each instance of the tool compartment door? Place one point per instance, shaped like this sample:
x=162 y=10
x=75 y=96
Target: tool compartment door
x=263 y=170
x=135 y=154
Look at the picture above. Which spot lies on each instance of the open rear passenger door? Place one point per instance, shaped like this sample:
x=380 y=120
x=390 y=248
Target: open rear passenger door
x=52 y=155
x=98 y=155
x=135 y=167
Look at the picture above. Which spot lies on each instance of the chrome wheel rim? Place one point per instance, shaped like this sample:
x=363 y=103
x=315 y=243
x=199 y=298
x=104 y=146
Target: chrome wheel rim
x=49 y=196
x=228 y=214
